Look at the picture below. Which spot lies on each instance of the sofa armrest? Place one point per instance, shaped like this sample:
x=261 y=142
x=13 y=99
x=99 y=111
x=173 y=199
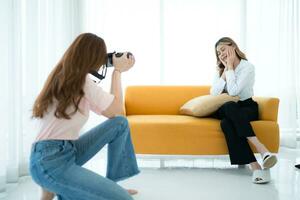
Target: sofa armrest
x=267 y=108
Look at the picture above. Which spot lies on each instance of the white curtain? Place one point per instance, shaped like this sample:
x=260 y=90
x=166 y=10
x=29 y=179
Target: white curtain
x=34 y=34
x=173 y=40
x=189 y=32
x=272 y=40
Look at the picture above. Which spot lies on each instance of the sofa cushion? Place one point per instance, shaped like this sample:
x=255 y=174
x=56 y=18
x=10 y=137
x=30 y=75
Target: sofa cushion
x=186 y=135
x=203 y=106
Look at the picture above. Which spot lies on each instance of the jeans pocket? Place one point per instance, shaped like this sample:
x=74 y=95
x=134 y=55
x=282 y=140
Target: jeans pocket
x=51 y=152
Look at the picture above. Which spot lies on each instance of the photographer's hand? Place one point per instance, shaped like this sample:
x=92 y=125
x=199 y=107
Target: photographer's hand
x=123 y=64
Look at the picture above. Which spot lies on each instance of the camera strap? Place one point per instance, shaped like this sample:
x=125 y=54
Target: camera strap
x=99 y=76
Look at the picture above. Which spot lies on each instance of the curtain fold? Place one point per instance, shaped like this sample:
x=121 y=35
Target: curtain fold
x=34 y=35
x=273 y=44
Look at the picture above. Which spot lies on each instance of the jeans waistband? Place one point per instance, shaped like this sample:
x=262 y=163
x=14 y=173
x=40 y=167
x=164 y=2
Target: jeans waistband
x=49 y=143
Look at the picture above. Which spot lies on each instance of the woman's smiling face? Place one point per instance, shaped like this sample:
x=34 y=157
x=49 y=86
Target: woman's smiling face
x=222 y=50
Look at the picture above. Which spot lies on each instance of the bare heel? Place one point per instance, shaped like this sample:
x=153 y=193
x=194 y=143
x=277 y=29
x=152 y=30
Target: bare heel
x=46 y=195
x=132 y=191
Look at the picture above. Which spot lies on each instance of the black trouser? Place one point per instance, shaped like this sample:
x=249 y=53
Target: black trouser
x=235 y=123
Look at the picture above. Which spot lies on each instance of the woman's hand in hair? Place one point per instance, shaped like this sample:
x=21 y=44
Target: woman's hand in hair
x=230 y=58
x=223 y=61
x=123 y=64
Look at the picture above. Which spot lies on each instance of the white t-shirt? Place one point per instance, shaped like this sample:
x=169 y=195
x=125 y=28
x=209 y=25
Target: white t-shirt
x=95 y=99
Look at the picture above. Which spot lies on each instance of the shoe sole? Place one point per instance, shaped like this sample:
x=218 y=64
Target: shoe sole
x=270 y=162
x=261 y=182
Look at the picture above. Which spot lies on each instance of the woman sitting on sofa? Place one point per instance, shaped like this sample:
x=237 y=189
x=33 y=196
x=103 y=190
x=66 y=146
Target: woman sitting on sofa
x=235 y=76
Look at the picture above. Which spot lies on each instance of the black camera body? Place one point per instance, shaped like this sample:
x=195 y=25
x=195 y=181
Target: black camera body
x=109 y=62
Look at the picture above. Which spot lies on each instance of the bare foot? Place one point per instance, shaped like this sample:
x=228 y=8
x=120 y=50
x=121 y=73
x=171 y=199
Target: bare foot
x=46 y=195
x=132 y=191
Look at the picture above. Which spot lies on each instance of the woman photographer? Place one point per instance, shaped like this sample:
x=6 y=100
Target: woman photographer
x=62 y=108
x=235 y=76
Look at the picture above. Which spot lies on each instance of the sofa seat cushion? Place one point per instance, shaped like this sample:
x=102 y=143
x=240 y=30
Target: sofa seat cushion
x=206 y=127
x=187 y=135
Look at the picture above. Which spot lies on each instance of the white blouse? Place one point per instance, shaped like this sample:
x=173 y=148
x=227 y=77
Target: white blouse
x=239 y=82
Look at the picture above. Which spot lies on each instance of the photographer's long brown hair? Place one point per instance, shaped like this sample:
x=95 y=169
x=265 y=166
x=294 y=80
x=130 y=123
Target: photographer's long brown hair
x=65 y=82
x=230 y=42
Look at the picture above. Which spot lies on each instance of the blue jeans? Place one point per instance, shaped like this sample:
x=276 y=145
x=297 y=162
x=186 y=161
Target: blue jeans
x=56 y=164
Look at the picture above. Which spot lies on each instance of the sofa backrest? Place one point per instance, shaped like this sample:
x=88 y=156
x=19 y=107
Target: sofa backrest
x=267 y=108
x=160 y=100
x=166 y=100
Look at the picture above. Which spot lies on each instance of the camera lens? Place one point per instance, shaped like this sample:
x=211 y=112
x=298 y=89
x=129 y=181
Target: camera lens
x=129 y=54
x=119 y=55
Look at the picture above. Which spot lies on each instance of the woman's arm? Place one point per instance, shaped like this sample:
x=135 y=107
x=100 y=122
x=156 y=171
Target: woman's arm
x=116 y=107
x=218 y=84
x=121 y=65
x=235 y=84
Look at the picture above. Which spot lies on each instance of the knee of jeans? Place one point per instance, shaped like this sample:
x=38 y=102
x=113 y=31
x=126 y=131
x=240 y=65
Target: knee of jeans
x=121 y=120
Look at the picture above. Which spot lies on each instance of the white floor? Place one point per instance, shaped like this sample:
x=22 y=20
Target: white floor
x=195 y=179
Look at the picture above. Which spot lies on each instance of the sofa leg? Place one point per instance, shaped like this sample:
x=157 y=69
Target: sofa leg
x=162 y=163
x=241 y=166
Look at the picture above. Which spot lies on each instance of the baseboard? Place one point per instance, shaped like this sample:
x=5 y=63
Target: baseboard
x=298 y=134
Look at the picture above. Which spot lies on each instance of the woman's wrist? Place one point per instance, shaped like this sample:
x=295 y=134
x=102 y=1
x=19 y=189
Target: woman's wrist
x=117 y=70
x=229 y=67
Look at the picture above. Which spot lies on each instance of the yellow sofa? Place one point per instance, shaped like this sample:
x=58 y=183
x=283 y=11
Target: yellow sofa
x=158 y=128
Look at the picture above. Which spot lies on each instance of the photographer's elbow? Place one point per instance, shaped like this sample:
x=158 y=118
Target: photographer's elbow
x=120 y=109
x=122 y=113
x=116 y=108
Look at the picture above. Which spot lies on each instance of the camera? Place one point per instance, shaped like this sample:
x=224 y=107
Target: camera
x=109 y=62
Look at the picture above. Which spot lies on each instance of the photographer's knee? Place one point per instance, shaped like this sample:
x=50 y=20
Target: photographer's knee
x=121 y=120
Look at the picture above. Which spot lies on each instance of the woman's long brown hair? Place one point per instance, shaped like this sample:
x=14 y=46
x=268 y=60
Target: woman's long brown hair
x=65 y=82
x=227 y=41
